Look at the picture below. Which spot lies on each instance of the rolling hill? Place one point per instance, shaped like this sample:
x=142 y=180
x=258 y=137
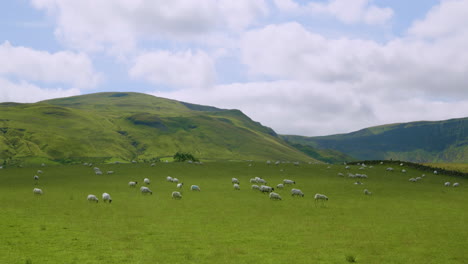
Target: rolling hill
x=424 y=141
x=132 y=126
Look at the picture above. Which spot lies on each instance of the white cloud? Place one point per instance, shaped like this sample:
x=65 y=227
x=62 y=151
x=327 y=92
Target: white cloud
x=179 y=69
x=347 y=11
x=120 y=24
x=24 y=92
x=63 y=67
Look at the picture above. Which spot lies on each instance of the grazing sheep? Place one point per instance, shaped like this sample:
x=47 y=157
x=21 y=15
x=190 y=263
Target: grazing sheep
x=253 y=180
x=358 y=183
x=132 y=183
x=262 y=181
x=435 y=172
x=235 y=180
x=296 y=192
x=146 y=180
x=145 y=190
x=403 y=170
x=179 y=185
x=401 y=164
x=169 y=178
x=153 y=164
x=287 y=182
x=268 y=162
x=340 y=174
x=366 y=192
x=424 y=175
x=280 y=186
x=347 y=167
x=236 y=186
x=418 y=178
x=320 y=197
x=175 y=180
x=92 y=198
x=413 y=180
x=389 y=169
x=264 y=188
x=195 y=188
x=275 y=196
x=255 y=187
x=176 y=195
x=36 y=177
x=37 y=191
x=456 y=184
x=106 y=197
x=98 y=172
x=447 y=184
x=39 y=172
x=110 y=172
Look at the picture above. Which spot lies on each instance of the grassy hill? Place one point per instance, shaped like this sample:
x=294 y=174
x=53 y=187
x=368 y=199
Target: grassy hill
x=435 y=141
x=131 y=126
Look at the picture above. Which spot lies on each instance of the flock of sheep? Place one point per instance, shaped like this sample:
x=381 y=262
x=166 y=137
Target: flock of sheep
x=259 y=184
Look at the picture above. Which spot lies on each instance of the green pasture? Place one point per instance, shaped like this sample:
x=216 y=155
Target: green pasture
x=401 y=222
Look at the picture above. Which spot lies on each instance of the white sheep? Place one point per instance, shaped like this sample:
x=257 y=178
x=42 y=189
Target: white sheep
x=435 y=172
x=132 y=183
x=36 y=177
x=340 y=174
x=146 y=180
x=456 y=184
x=288 y=182
x=169 y=178
x=236 y=186
x=367 y=192
x=275 y=196
x=320 y=197
x=110 y=172
x=264 y=188
x=296 y=192
x=280 y=186
x=92 y=198
x=39 y=172
x=255 y=187
x=175 y=180
x=418 y=178
x=37 y=191
x=176 y=195
x=106 y=198
x=413 y=180
x=262 y=181
x=153 y=164
x=145 y=190
x=447 y=184
x=358 y=183
x=98 y=172
x=180 y=185
x=403 y=170
x=195 y=188
x=235 y=180
x=389 y=169
x=253 y=180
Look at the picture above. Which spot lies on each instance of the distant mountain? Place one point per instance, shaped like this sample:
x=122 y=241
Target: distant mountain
x=132 y=126
x=435 y=141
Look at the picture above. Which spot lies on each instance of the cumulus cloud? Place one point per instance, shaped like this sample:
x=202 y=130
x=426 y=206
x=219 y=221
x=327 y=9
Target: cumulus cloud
x=346 y=11
x=24 y=92
x=95 y=25
x=178 y=69
x=62 y=67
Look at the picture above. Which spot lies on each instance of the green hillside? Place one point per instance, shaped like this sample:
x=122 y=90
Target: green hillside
x=132 y=126
x=435 y=141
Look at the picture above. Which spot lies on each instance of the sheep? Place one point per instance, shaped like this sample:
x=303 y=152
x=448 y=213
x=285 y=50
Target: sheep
x=424 y=175
x=268 y=162
x=435 y=172
x=92 y=198
x=255 y=187
x=280 y=186
x=413 y=180
x=175 y=180
x=176 y=195
x=418 y=178
x=389 y=169
x=287 y=182
x=179 y=185
x=253 y=180
x=106 y=197
x=132 y=183
x=456 y=184
x=296 y=192
x=39 y=172
x=262 y=181
x=153 y=164
x=275 y=196
x=195 y=188
x=146 y=180
x=320 y=197
x=110 y=172
x=98 y=172
x=340 y=174
x=37 y=191
x=403 y=170
x=358 y=183
x=236 y=186
x=447 y=184
x=381 y=163
x=401 y=164
x=36 y=177
x=145 y=190
x=347 y=167
x=366 y=192
x=235 y=180
x=169 y=178
x=264 y=188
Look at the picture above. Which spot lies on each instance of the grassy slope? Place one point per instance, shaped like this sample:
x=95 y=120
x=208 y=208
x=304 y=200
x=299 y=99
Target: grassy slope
x=130 y=126
x=401 y=222
x=441 y=141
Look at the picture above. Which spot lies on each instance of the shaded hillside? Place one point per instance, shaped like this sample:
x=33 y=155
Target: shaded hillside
x=127 y=126
x=437 y=141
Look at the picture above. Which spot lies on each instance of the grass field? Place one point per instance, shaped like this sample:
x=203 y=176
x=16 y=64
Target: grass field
x=401 y=222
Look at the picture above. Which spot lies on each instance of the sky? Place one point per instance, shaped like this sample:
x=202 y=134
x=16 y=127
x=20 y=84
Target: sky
x=311 y=68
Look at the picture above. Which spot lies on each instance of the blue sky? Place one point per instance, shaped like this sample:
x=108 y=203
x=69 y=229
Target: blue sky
x=300 y=67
